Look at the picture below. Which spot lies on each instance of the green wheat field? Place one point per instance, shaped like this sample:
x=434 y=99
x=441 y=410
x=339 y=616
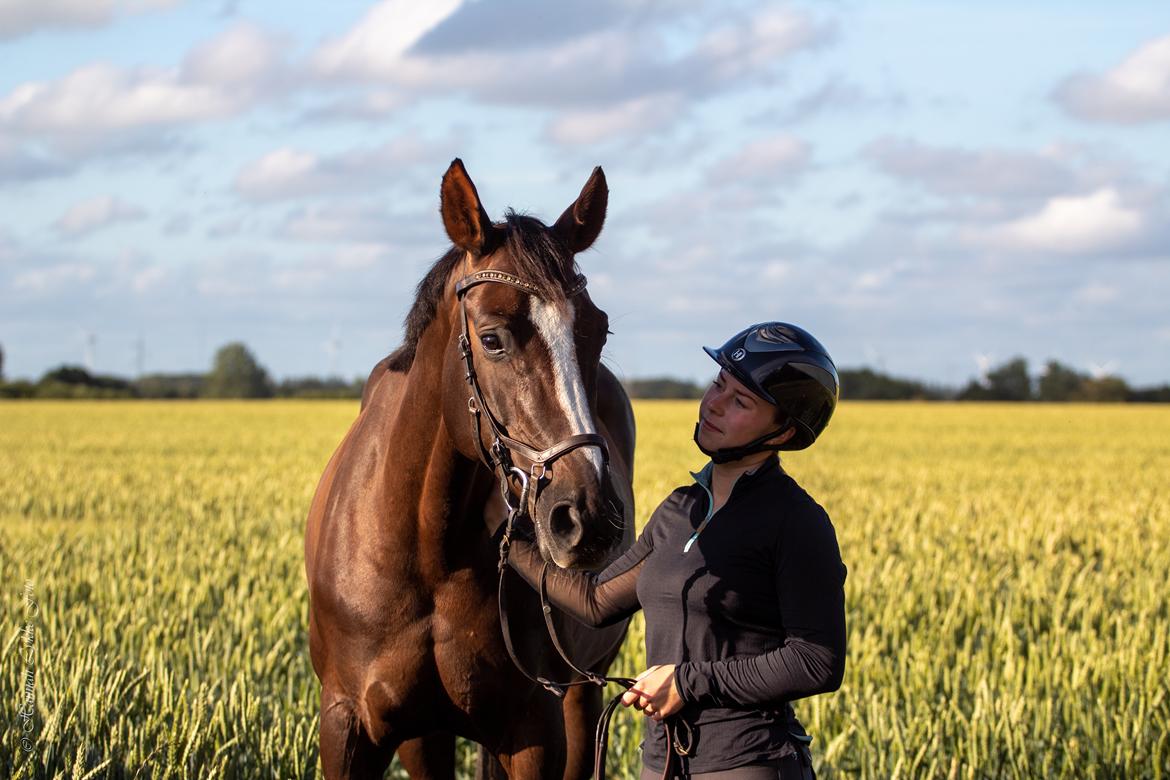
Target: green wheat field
x=1007 y=596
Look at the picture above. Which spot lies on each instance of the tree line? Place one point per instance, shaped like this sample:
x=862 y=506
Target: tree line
x=235 y=373
x=1009 y=381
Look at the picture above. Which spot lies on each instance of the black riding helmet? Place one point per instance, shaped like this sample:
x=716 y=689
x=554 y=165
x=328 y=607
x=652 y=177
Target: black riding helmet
x=784 y=365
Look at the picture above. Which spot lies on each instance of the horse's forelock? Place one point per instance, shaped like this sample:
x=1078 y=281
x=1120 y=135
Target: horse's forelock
x=537 y=256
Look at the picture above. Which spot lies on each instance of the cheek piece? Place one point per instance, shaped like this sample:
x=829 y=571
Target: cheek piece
x=729 y=454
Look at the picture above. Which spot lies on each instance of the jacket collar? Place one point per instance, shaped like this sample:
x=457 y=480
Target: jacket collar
x=768 y=467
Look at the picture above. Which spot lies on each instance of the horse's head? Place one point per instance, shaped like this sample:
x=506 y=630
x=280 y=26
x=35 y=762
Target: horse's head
x=536 y=352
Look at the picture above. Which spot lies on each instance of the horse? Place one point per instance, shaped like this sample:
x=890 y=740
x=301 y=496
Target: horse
x=404 y=630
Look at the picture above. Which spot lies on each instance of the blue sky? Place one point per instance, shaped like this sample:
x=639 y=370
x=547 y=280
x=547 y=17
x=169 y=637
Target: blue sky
x=927 y=187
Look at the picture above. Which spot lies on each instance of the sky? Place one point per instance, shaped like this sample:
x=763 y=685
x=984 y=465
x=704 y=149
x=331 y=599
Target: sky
x=930 y=188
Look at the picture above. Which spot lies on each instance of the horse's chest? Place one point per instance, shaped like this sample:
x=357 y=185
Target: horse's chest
x=465 y=642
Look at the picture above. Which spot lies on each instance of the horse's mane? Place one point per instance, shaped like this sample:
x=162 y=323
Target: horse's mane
x=530 y=245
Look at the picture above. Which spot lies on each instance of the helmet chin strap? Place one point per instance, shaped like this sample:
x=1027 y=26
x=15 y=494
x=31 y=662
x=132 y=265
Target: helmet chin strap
x=729 y=454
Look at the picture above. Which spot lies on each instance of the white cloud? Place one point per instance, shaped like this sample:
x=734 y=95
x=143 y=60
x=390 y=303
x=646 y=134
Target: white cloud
x=217 y=79
x=1097 y=293
x=278 y=173
x=90 y=215
x=54 y=277
x=1074 y=224
x=241 y=56
x=319 y=271
x=374 y=47
x=765 y=158
x=18 y=163
x=373 y=105
x=589 y=126
x=21 y=17
x=1137 y=90
x=355 y=222
x=985 y=172
x=608 y=77
x=757 y=42
x=291 y=173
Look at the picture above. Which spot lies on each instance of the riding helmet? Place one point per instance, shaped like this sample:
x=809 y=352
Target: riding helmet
x=784 y=365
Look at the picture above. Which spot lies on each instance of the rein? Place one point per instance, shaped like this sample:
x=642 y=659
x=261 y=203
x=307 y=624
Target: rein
x=498 y=458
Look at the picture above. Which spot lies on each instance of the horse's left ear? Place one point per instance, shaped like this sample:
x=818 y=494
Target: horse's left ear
x=581 y=223
x=467 y=222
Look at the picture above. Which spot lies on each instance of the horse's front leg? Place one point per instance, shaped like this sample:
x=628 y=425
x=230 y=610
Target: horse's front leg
x=582 y=707
x=347 y=752
x=429 y=758
x=534 y=746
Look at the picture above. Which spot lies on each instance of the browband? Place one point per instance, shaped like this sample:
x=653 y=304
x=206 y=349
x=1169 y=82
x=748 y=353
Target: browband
x=503 y=277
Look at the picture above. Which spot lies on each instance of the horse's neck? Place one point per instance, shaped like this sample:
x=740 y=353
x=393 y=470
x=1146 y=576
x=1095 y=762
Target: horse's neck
x=434 y=492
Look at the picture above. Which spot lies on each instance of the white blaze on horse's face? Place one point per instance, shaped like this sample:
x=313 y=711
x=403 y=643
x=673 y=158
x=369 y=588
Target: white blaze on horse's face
x=554 y=322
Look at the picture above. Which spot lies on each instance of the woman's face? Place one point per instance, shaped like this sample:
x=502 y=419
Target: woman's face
x=730 y=415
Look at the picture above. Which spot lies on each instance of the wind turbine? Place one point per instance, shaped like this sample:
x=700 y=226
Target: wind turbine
x=983 y=362
x=89 y=348
x=1100 y=371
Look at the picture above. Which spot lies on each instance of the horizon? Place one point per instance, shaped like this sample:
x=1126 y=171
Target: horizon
x=929 y=190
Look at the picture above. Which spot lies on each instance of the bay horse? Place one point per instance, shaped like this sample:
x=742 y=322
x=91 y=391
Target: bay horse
x=403 y=620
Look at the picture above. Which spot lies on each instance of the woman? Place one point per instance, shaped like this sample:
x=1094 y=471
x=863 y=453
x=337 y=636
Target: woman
x=739 y=573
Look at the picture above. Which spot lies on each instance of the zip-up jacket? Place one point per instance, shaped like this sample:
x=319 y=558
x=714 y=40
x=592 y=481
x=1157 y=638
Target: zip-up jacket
x=748 y=602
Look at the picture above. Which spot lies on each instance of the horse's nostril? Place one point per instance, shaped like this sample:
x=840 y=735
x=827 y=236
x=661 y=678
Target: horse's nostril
x=564 y=524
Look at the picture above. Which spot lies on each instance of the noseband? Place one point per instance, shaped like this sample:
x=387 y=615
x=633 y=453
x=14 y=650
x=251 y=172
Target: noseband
x=498 y=458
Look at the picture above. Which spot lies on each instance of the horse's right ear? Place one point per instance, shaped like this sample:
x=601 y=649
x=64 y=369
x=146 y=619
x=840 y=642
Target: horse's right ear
x=581 y=223
x=467 y=222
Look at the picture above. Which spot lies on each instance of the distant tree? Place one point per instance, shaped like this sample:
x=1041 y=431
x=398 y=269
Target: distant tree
x=1008 y=382
x=170 y=385
x=236 y=374
x=68 y=375
x=1111 y=389
x=1060 y=383
x=867 y=384
x=662 y=387
x=19 y=389
x=1157 y=395
x=1 y=363
x=313 y=387
x=76 y=382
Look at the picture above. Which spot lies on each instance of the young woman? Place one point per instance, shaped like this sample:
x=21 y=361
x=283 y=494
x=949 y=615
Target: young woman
x=738 y=573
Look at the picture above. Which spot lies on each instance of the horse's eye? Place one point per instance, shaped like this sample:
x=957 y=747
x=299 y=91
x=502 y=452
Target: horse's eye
x=491 y=342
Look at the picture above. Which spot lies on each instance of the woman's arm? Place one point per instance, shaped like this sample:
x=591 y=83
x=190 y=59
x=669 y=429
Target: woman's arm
x=810 y=582
x=595 y=598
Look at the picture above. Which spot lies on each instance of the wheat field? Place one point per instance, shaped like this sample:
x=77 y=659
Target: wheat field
x=1007 y=598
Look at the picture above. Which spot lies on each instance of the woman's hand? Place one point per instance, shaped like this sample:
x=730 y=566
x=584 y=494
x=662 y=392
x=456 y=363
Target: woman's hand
x=654 y=693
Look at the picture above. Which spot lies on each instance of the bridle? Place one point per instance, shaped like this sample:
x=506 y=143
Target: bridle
x=498 y=458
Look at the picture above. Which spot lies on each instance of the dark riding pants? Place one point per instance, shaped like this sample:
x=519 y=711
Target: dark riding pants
x=791 y=767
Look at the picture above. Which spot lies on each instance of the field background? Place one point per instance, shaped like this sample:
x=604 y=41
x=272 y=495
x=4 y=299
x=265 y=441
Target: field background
x=1007 y=590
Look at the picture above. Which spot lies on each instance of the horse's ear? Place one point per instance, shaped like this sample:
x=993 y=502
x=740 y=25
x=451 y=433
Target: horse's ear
x=467 y=222
x=581 y=223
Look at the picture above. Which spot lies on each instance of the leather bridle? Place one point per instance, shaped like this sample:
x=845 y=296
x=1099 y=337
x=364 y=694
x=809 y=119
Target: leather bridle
x=498 y=458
